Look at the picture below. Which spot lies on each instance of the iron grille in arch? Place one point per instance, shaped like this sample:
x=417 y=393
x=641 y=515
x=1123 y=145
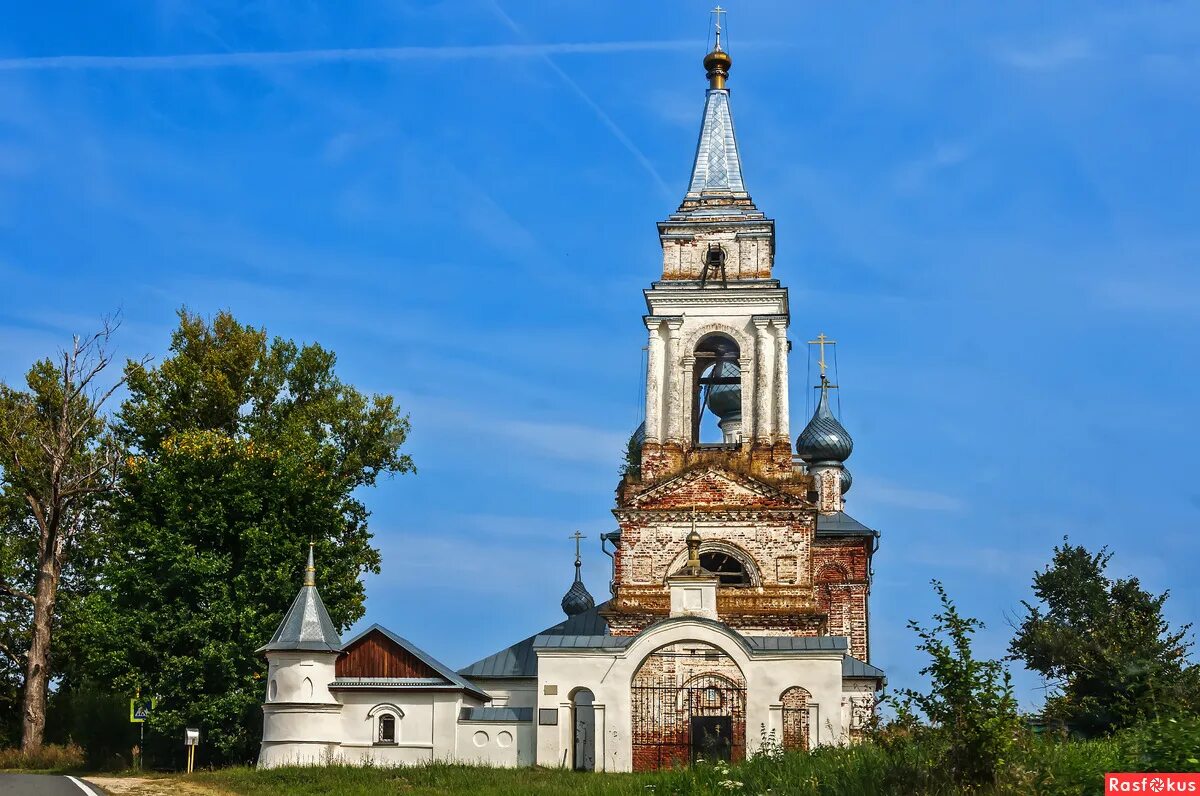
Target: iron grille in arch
x=703 y=719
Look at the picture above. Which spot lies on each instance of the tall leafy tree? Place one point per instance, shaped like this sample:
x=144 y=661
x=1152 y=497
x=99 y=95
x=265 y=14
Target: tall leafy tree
x=1104 y=645
x=241 y=451
x=59 y=467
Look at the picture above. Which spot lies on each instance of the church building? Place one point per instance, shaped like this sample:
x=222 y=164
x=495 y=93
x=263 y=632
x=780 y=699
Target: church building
x=740 y=587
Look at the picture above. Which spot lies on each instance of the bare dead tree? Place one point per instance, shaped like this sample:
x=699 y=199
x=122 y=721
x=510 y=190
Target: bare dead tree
x=59 y=459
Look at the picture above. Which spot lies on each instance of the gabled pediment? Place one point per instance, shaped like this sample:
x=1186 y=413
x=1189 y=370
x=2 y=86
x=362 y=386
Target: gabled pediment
x=712 y=485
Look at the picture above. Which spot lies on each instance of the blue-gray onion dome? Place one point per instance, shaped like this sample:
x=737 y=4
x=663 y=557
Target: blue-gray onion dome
x=577 y=599
x=847 y=480
x=824 y=440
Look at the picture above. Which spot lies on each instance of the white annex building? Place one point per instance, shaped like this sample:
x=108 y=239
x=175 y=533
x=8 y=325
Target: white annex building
x=739 y=605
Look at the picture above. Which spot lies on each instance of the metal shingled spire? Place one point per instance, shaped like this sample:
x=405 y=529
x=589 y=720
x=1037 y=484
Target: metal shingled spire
x=717 y=169
x=306 y=625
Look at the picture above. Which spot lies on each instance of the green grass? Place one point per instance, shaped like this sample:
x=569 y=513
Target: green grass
x=870 y=770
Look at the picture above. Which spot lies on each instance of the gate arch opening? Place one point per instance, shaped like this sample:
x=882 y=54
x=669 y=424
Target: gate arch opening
x=689 y=703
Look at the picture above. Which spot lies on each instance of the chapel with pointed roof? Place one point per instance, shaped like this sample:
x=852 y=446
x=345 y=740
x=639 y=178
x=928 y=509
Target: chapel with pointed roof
x=739 y=605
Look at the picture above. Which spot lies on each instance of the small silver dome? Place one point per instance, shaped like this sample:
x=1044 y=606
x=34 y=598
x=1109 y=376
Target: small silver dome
x=725 y=400
x=847 y=480
x=824 y=439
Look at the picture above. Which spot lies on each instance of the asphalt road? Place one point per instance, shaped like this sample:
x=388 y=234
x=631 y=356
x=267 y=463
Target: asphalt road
x=42 y=785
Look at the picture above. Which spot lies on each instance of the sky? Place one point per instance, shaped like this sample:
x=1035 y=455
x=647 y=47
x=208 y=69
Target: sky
x=992 y=208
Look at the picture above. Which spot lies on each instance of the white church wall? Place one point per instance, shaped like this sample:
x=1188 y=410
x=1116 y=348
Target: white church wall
x=510 y=692
x=609 y=674
x=425 y=725
x=496 y=743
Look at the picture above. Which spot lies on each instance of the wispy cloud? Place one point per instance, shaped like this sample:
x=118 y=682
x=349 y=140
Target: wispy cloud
x=881 y=492
x=1047 y=57
x=915 y=174
x=312 y=57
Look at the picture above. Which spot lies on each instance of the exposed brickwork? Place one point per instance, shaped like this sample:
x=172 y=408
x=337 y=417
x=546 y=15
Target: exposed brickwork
x=795 y=718
x=798 y=586
x=747 y=256
x=842 y=580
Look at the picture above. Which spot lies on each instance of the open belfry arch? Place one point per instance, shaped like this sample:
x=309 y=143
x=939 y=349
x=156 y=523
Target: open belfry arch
x=740 y=585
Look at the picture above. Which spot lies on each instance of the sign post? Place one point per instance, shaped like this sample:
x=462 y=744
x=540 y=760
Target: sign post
x=191 y=739
x=139 y=711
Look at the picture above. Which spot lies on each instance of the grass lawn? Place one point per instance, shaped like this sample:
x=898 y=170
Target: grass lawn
x=432 y=779
x=865 y=770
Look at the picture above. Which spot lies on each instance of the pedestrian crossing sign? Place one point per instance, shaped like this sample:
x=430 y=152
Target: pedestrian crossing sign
x=139 y=709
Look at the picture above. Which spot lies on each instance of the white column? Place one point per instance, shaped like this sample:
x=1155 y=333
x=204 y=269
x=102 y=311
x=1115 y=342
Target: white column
x=687 y=398
x=764 y=428
x=654 y=372
x=675 y=432
x=781 y=380
x=746 y=369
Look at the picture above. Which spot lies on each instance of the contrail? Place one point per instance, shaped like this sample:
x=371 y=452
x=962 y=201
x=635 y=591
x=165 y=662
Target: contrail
x=305 y=57
x=605 y=119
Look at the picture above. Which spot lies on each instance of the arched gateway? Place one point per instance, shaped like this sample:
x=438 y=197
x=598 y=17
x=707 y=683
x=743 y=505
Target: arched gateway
x=688 y=703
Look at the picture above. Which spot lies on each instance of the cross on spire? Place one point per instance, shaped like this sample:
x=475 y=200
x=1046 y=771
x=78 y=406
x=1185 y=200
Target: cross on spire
x=822 y=341
x=577 y=536
x=717 y=12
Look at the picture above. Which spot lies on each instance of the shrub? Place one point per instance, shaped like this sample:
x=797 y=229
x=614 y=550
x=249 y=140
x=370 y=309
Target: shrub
x=1168 y=744
x=971 y=708
x=57 y=757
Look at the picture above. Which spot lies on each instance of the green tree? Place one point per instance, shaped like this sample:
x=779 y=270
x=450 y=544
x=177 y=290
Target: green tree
x=972 y=713
x=1104 y=645
x=59 y=466
x=241 y=451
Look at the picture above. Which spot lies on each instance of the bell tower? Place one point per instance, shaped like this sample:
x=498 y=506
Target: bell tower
x=717 y=320
x=717 y=517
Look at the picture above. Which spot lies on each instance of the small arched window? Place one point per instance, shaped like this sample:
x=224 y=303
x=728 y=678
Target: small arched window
x=273 y=690
x=387 y=729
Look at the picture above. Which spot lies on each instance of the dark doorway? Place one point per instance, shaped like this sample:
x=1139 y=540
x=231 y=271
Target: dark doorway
x=712 y=738
x=584 y=732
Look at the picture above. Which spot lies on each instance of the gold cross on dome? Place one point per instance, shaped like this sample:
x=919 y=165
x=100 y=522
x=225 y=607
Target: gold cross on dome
x=822 y=341
x=577 y=536
x=717 y=12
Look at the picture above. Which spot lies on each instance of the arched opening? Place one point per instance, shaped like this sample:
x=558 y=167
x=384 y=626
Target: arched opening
x=273 y=690
x=689 y=703
x=795 y=718
x=733 y=565
x=387 y=729
x=717 y=392
x=583 y=736
x=726 y=567
x=387 y=723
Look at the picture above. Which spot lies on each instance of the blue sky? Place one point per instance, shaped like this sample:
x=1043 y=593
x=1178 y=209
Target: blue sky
x=993 y=209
